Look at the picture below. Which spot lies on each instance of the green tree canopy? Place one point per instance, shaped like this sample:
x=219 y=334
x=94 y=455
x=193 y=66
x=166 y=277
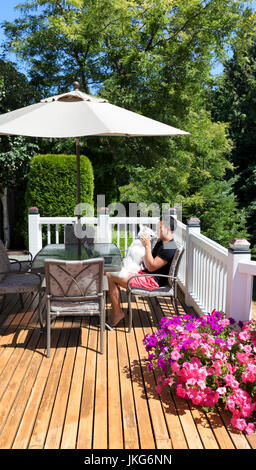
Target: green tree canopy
x=15 y=151
x=234 y=102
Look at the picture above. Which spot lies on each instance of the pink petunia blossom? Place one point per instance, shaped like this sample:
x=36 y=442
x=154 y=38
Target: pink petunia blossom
x=250 y=428
x=175 y=355
x=244 y=336
x=180 y=391
x=238 y=423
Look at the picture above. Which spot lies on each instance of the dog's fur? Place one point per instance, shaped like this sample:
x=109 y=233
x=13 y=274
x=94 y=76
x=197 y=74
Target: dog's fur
x=132 y=263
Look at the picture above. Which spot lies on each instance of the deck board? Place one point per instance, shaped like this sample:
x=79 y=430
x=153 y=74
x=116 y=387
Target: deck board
x=80 y=399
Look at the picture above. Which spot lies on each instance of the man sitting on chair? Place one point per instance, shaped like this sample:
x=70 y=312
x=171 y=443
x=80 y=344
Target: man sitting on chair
x=157 y=261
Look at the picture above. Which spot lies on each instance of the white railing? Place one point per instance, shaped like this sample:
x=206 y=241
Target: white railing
x=209 y=268
x=211 y=276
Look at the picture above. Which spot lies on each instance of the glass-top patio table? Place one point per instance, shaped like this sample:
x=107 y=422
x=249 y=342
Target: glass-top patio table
x=109 y=251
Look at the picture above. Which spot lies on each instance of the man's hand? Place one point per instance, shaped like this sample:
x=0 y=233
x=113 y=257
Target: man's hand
x=145 y=241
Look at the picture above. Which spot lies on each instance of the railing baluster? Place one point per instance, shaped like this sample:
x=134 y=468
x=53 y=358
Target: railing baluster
x=221 y=287
x=210 y=284
x=118 y=235
x=206 y=282
x=225 y=288
x=125 y=237
x=48 y=234
x=216 y=306
x=214 y=273
x=57 y=233
x=133 y=232
x=195 y=263
x=203 y=279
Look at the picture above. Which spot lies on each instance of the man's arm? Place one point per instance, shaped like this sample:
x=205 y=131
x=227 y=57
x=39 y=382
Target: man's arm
x=152 y=264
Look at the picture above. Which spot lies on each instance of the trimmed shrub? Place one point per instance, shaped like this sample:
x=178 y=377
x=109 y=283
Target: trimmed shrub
x=52 y=185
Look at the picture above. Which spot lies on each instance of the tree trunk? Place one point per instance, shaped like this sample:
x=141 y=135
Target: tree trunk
x=6 y=225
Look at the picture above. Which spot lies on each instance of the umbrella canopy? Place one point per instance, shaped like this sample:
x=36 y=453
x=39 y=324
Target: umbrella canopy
x=77 y=114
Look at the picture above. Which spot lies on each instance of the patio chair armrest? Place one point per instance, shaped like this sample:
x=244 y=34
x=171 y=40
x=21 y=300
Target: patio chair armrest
x=174 y=278
x=13 y=261
x=27 y=252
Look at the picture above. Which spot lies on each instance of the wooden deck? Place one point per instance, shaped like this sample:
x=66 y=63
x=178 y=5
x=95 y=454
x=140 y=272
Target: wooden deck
x=80 y=399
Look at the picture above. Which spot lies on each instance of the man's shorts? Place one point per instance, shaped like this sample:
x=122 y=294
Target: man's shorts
x=144 y=282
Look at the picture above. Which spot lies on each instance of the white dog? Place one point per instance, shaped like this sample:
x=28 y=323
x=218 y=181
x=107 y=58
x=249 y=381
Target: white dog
x=132 y=263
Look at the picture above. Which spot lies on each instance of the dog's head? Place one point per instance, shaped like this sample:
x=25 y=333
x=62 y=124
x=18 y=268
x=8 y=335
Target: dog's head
x=147 y=231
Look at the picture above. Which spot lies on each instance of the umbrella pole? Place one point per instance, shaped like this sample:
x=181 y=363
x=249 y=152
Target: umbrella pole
x=78 y=185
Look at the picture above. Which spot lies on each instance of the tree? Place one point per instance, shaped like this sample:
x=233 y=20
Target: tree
x=15 y=151
x=194 y=175
x=234 y=102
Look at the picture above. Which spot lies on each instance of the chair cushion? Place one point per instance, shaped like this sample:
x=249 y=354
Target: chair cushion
x=88 y=307
x=19 y=283
x=165 y=291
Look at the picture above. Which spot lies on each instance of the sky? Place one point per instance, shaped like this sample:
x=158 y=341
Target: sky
x=8 y=13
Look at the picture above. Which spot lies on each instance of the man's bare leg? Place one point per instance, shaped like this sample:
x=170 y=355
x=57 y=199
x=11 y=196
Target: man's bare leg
x=114 y=293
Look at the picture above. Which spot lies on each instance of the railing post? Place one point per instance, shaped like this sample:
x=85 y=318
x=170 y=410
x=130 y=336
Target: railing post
x=193 y=226
x=103 y=227
x=239 y=285
x=34 y=231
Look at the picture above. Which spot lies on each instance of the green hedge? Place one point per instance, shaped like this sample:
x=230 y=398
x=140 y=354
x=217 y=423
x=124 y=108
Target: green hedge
x=52 y=184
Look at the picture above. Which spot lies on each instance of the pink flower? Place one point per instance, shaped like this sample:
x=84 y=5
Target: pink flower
x=221 y=390
x=231 y=403
x=231 y=381
x=225 y=322
x=247 y=348
x=238 y=423
x=244 y=336
x=201 y=384
x=247 y=410
x=191 y=381
x=220 y=355
x=175 y=368
x=231 y=341
x=248 y=377
x=217 y=366
x=242 y=357
x=180 y=391
x=250 y=428
x=175 y=355
x=195 y=360
x=158 y=389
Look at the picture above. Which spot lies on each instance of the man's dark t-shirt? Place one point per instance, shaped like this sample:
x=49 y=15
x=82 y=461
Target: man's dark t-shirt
x=164 y=250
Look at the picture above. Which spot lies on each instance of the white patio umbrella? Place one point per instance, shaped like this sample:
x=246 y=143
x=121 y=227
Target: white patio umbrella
x=76 y=114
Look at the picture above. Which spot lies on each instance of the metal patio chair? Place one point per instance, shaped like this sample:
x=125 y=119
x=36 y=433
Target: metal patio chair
x=12 y=264
x=21 y=283
x=168 y=290
x=74 y=288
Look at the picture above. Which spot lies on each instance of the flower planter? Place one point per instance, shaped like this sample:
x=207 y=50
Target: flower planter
x=209 y=360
